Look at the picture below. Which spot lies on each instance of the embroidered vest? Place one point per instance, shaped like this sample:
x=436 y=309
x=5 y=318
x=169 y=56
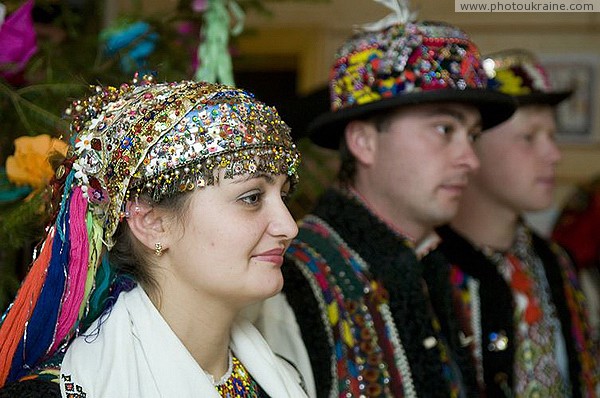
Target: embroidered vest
x=489 y=318
x=368 y=355
x=362 y=301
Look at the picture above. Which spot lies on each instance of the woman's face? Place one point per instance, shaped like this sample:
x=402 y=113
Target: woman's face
x=229 y=244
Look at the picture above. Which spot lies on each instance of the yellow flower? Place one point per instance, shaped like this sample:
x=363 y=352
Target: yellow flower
x=29 y=165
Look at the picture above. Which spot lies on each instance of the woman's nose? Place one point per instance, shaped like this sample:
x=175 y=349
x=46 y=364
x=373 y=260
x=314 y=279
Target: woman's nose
x=283 y=223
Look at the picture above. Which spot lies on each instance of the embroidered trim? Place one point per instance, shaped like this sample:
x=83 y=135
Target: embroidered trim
x=225 y=376
x=239 y=383
x=473 y=286
x=399 y=353
x=400 y=358
x=73 y=390
x=318 y=293
x=536 y=331
x=556 y=271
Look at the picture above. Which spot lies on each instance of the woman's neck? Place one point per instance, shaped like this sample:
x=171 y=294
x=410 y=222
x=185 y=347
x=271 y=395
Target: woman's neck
x=204 y=329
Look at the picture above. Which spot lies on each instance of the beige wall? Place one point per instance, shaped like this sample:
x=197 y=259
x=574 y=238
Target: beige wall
x=312 y=32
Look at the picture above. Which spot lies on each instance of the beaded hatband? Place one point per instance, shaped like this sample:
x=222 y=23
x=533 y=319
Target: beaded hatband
x=519 y=73
x=403 y=59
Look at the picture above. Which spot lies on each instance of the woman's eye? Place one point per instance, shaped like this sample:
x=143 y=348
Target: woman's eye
x=251 y=199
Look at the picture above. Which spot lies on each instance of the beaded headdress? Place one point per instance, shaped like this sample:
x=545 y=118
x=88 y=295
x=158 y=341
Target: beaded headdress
x=518 y=72
x=156 y=139
x=402 y=62
x=165 y=138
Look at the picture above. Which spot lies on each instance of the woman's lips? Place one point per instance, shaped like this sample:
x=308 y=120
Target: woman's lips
x=274 y=256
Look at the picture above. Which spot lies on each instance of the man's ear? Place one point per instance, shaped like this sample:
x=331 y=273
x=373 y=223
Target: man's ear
x=361 y=141
x=146 y=223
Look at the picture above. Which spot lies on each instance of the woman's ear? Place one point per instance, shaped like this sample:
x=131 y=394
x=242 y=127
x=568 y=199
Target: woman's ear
x=146 y=223
x=361 y=141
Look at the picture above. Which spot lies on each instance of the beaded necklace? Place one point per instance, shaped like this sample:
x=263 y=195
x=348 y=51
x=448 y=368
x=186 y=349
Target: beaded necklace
x=236 y=382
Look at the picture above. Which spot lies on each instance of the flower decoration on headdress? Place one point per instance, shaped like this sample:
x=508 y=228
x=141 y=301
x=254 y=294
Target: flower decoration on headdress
x=29 y=165
x=135 y=42
x=17 y=43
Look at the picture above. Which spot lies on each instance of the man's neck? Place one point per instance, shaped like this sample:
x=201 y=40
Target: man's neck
x=391 y=224
x=486 y=225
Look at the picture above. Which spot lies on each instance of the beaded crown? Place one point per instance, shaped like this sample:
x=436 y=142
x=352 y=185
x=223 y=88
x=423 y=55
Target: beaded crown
x=169 y=137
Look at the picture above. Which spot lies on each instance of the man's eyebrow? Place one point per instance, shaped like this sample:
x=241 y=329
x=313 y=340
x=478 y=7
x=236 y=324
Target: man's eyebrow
x=442 y=110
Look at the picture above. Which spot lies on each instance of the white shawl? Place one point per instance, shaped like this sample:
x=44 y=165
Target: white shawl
x=133 y=352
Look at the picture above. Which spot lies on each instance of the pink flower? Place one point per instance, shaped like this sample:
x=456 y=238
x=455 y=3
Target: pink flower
x=17 y=43
x=199 y=5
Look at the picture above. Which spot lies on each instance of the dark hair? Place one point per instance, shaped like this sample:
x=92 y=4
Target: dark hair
x=347 y=171
x=130 y=256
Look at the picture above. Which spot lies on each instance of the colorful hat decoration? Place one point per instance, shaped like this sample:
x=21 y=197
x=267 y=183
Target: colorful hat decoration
x=519 y=73
x=145 y=137
x=402 y=64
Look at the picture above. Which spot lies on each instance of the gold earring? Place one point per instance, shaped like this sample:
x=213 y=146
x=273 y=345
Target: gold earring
x=158 y=249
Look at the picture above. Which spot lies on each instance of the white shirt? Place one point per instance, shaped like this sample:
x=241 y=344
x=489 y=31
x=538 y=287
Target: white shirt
x=132 y=352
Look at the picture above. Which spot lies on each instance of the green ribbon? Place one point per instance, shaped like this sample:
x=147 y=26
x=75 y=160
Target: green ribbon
x=213 y=52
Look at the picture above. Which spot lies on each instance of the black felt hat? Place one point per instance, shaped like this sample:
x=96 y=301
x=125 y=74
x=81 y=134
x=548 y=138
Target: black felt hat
x=406 y=64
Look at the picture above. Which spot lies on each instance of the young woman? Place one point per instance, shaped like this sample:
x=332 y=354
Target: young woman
x=170 y=218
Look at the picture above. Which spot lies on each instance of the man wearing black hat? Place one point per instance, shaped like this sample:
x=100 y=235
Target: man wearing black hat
x=407 y=101
x=517 y=293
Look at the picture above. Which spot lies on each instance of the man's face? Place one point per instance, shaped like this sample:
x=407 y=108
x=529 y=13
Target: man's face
x=518 y=161
x=421 y=163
